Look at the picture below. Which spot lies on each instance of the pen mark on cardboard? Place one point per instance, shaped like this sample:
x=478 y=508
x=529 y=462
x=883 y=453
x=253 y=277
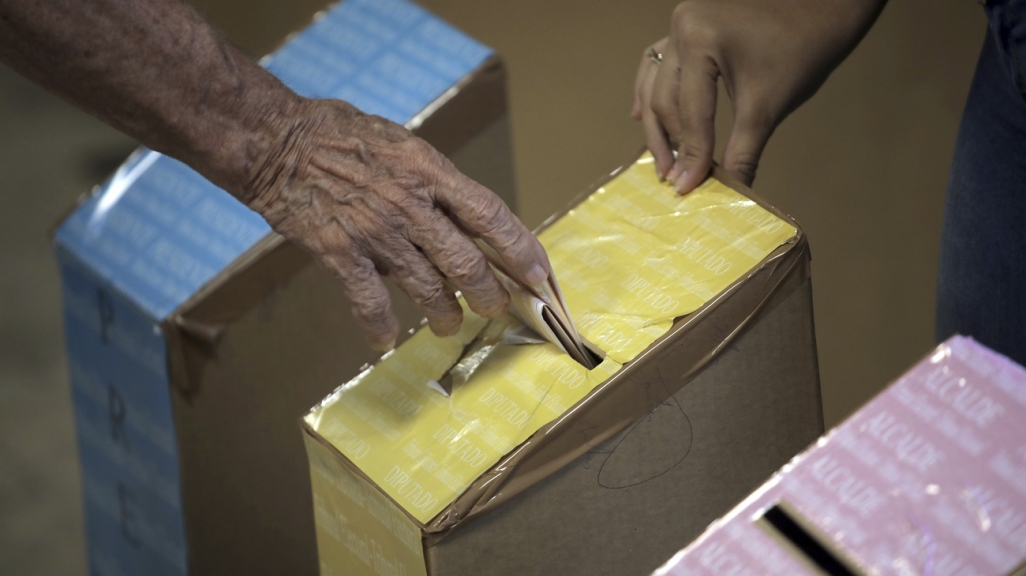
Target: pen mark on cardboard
x=659 y=457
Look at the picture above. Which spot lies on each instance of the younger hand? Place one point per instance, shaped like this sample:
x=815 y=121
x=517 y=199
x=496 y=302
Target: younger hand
x=772 y=56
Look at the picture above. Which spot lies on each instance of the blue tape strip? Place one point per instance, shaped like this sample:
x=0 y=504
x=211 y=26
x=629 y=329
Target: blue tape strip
x=158 y=231
x=117 y=365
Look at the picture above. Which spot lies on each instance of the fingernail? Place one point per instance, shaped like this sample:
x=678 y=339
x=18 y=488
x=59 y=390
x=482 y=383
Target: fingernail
x=387 y=348
x=659 y=173
x=537 y=275
x=680 y=182
x=674 y=172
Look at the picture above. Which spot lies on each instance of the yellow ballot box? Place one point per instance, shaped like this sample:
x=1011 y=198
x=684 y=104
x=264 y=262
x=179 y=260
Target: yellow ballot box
x=700 y=309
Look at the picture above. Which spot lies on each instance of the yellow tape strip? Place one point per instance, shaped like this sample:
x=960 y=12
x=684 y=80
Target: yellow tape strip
x=359 y=530
x=634 y=255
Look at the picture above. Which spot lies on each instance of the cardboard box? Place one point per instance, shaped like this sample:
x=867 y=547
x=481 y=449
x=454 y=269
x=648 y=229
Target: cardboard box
x=196 y=338
x=928 y=478
x=702 y=307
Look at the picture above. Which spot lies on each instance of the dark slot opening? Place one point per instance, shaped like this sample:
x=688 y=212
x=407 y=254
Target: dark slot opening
x=596 y=358
x=805 y=542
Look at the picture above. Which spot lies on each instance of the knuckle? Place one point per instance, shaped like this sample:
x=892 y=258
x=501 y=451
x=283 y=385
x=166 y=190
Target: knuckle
x=669 y=122
x=424 y=153
x=494 y=305
x=409 y=208
x=691 y=145
x=417 y=167
x=335 y=241
x=373 y=308
x=434 y=295
x=691 y=28
x=483 y=292
x=745 y=164
x=694 y=153
x=466 y=266
x=513 y=238
x=662 y=106
x=490 y=214
x=355 y=277
x=444 y=314
x=384 y=135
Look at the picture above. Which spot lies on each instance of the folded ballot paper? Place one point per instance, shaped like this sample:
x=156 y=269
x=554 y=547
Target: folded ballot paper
x=544 y=311
x=545 y=318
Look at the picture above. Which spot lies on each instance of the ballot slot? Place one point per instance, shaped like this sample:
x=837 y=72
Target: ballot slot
x=804 y=541
x=572 y=345
x=478 y=349
x=541 y=308
x=594 y=353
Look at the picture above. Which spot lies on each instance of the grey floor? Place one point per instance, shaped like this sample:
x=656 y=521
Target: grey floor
x=49 y=154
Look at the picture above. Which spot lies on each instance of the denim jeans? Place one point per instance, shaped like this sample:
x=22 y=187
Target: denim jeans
x=981 y=286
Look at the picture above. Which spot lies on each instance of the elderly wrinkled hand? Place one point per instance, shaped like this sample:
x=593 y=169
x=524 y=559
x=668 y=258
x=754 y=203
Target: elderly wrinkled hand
x=772 y=56
x=369 y=199
x=362 y=194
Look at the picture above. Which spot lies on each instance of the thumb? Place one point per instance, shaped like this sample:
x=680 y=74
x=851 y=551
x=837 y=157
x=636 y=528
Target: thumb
x=697 y=103
x=752 y=129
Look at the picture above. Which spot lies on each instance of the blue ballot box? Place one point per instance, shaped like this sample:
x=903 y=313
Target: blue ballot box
x=187 y=319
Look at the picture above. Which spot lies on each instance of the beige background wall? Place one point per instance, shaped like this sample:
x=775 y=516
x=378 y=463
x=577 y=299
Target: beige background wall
x=862 y=166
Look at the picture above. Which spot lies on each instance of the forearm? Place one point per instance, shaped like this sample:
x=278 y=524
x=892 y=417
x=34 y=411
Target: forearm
x=847 y=20
x=362 y=194
x=157 y=71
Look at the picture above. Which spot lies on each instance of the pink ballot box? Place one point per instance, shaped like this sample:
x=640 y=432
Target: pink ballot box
x=928 y=479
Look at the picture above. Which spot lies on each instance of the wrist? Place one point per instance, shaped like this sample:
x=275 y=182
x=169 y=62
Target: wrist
x=292 y=131
x=852 y=18
x=255 y=120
